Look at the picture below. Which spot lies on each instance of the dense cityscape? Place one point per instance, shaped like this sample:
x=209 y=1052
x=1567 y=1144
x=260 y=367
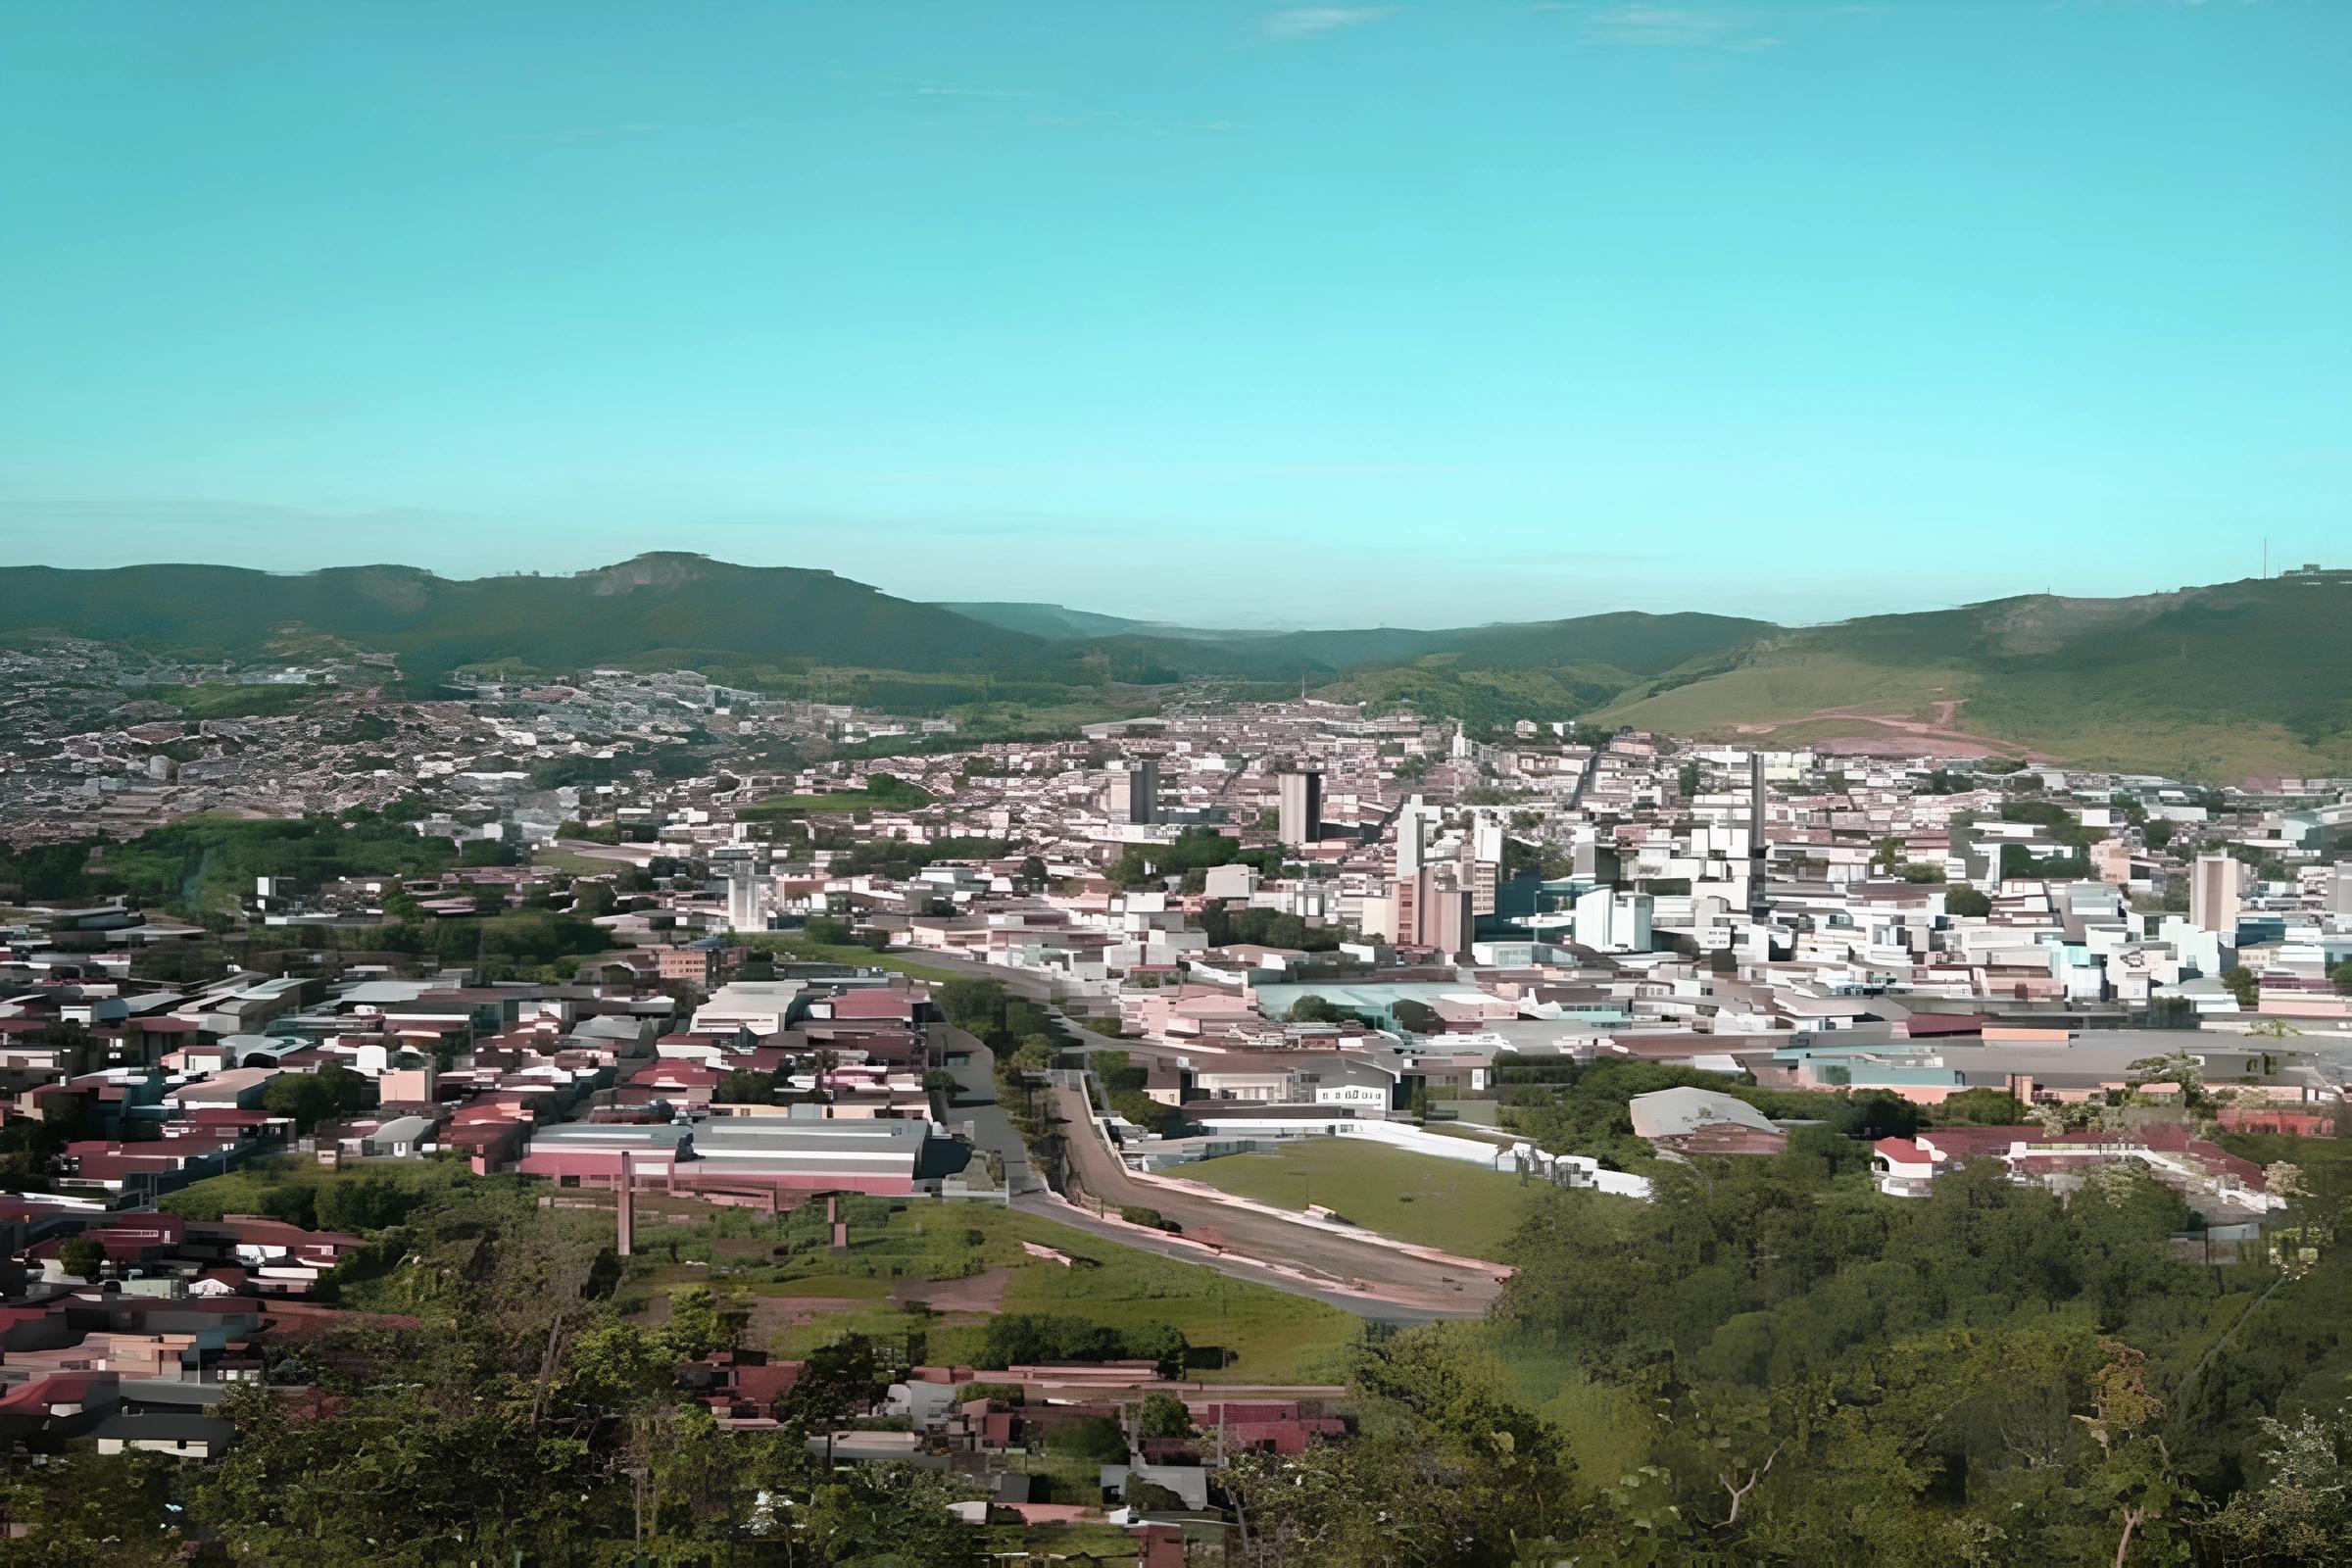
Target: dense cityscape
x=880 y=784
x=796 y=1126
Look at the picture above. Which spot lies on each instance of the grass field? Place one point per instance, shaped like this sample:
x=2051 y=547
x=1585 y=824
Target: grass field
x=272 y=1186
x=906 y=798
x=212 y=700
x=560 y=858
x=793 y=944
x=1787 y=686
x=1414 y=1197
x=903 y=1252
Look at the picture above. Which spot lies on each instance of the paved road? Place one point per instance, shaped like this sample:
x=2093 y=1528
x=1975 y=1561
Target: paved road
x=1365 y=1277
x=1583 y=780
x=975 y=1102
x=1025 y=984
x=1032 y=988
x=1233 y=1266
x=1419 y=1296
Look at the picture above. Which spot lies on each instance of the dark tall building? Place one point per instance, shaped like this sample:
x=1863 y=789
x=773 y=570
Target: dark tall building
x=1755 y=834
x=1301 y=814
x=1134 y=796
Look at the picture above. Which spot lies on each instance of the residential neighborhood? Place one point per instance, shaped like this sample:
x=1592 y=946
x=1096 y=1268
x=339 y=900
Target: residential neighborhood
x=880 y=784
x=1134 y=988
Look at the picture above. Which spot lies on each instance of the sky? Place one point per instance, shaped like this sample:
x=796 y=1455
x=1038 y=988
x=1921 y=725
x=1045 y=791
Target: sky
x=1416 y=314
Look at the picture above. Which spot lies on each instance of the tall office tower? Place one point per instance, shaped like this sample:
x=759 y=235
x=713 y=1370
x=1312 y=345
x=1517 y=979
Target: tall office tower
x=744 y=867
x=1757 y=904
x=1447 y=921
x=747 y=900
x=1482 y=864
x=1135 y=791
x=1611 y=920
x=1412 y=837
x=1299 y=815
x=2213 y=893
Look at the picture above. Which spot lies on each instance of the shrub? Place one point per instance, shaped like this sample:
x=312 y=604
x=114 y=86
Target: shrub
x=1096 y=1438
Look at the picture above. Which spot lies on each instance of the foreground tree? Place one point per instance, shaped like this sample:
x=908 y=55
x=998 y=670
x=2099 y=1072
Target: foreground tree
x=1443 y=1469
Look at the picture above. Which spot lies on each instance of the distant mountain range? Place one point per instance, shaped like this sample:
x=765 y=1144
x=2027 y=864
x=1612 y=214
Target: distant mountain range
x=2246 y=677
x=2222 y=682
x=1065 y=624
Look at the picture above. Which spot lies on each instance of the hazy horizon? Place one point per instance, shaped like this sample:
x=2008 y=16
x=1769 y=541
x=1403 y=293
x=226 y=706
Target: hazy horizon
x=1207 y=621
x=1409 y=315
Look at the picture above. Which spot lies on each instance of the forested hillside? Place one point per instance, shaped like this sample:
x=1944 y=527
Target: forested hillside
x=2219 y=682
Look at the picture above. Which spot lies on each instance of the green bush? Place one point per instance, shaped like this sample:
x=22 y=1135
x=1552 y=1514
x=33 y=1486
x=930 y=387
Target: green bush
x=1095 y=1437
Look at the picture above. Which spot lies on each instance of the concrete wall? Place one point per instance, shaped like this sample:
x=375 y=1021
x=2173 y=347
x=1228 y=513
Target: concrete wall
x=1495 y=1155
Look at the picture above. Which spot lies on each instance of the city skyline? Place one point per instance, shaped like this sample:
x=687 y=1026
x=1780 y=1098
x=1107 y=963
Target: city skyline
x=1798 y=311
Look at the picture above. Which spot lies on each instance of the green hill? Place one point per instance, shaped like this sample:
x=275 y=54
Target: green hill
x=1061 y=622
x=2228 y=681
x=766 y=625
x=2219 y=682
x=1046 y=620
x=660 y=610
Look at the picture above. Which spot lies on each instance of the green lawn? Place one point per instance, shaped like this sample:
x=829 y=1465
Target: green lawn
x=558 y=858
x=1414 y=1197
x=906 y=798
x=1272 y=1336
x=212 y=700
x=285 y=1186
x=793 y=944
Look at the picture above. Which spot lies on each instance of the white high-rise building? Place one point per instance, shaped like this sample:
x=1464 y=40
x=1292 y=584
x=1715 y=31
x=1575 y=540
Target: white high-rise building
x=1412 y=836
x=747 y=901
x=2215 y=888
x=1610 y=921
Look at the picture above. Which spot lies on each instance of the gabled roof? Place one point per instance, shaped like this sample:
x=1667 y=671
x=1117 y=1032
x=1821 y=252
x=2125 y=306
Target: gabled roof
x=1675 y=1112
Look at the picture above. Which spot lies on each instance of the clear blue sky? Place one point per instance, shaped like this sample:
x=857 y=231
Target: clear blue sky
x=1416 y=314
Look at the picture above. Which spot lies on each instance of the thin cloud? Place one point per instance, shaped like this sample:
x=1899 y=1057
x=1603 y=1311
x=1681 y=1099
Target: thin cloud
x=933 y=89
x=1649 y=24
x=1305 y=21
x=1726 y=24
x=1675 y=27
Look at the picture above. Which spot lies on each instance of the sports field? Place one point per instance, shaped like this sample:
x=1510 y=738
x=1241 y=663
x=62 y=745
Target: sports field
x=1414 y=1197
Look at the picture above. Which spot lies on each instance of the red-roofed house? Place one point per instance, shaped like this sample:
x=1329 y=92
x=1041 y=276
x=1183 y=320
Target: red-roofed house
x=2168 y=1152
x=875 y=1001
x=64 y=1405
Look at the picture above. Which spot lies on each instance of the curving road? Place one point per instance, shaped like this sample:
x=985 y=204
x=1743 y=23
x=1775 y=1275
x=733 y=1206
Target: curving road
x=1357 y=1276
x=1365 y=1277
